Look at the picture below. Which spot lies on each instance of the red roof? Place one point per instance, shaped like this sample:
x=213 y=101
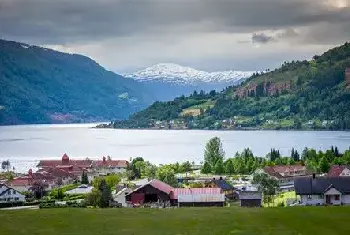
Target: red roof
x=65 y=157
x=277 y=171
x=115 y=163
x=336 y=170
x=193 y=191
x=161 y=186
x=20 y=182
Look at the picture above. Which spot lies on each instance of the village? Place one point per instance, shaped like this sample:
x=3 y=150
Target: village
x=106 y=182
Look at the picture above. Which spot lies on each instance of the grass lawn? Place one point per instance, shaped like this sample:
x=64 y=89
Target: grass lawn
x=201 y=221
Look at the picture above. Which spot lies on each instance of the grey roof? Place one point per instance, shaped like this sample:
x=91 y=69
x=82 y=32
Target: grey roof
x=310 y=186
x=250 y=195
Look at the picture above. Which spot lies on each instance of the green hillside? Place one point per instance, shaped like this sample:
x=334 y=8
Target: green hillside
x=40 y=85
x=299 y=95
x=189 y=221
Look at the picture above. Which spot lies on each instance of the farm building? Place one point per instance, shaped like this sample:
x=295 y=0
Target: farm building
x=156 y=191
x=151 y=192
x=250 y=198
x=197 y=197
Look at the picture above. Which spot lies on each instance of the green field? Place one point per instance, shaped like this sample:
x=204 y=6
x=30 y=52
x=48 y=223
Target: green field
x=234 y=220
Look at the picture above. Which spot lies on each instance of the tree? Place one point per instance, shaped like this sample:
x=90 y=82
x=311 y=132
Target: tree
x=229 y=167
x=5 y=165
x=324 y=165
x=167 y=175
x=106 y=196
x=93 y=198
x=186 y=166
x=38 y=188
x=213 y=151
x=206 y=169
x=219 y=167
x=267 y=185
x=84 y=178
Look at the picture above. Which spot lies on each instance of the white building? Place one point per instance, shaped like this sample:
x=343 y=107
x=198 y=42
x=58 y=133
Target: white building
x=120 y=197
x=323 y=190
x=8 y=195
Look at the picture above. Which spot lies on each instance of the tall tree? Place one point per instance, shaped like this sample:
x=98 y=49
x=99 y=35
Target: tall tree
x=219 y=167
x=206 y=169
x=213 y=152
x=84 y=178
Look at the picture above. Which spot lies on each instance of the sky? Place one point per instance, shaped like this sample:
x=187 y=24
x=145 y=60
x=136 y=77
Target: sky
x=211 y=35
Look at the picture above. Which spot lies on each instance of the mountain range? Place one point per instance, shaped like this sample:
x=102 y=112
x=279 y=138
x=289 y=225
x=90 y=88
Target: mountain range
x=312 y=94
x=167 y=80
x=40 y=85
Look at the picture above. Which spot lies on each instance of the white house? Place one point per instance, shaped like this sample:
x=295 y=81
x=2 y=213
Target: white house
x=8 y=195
x=120 y=197
x=323 y=190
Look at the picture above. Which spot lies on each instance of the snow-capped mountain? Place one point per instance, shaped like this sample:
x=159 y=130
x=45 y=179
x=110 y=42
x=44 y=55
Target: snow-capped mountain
x=176 y=74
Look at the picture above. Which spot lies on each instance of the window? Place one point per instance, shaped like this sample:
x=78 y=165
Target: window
x=9 y=192
x=16 y=198
x=336 y=197
x=14 y=192
x=321 y=196
x=8 y=199
x=309 y=197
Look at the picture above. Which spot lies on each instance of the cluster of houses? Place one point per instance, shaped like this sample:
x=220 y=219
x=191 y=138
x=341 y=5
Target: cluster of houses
x=55 y=173
x=311 y=189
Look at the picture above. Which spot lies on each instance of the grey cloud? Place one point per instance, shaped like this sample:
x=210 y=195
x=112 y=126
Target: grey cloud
x=136 y=32
x=63 y=21
x=261 y=38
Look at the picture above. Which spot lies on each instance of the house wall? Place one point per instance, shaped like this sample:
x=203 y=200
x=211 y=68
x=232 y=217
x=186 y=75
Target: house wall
x=313 y=200
x=250 y=202
x=345 y=199
x=11 y=196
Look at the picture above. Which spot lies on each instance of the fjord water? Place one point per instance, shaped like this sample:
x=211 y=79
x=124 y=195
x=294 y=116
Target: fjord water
x=25 y=145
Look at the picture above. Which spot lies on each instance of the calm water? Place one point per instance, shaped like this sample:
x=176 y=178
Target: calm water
x=25 y=145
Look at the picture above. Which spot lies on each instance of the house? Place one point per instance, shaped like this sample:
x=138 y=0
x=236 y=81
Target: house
x=92 y=167
x=250 y=198
x=285 y=174
x=82 y=189
x=183 y=197
x=323 y=190
x=10 y=195
x=225 y=187
x=339 y=170
x=120 y=197
x=52 y=177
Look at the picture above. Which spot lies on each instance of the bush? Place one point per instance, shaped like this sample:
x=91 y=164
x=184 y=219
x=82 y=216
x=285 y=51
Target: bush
x=11 y=204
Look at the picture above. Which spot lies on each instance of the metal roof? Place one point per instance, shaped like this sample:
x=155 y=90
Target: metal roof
x=318 y=185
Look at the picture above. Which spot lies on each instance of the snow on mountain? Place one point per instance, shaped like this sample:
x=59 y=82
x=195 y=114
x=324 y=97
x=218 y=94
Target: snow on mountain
x=174 y=73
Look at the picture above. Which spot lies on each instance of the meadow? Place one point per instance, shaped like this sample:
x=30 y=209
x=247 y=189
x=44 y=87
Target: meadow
x=229 y=220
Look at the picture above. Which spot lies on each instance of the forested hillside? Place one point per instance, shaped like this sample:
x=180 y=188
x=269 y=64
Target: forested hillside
x=40 y=85
x=299 y=95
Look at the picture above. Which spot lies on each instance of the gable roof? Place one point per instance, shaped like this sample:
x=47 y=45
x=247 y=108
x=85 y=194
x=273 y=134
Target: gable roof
x=250 y=195
x=223 y=184
x=161 y=186
x=8 y=189
x=310 y=186
x=336 y=170
x=277 y=171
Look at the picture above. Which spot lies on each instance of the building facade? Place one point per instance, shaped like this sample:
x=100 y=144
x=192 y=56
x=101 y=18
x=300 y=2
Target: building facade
x=10 y=195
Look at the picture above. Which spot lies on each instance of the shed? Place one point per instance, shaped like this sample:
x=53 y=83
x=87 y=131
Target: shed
x=153 y=191
x=197 y=197
x=250 y=198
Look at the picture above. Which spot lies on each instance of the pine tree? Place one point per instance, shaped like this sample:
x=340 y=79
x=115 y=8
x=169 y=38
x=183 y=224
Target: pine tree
x=84 y=178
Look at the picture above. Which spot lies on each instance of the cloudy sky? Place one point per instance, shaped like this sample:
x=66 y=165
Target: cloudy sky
x=126 y=35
